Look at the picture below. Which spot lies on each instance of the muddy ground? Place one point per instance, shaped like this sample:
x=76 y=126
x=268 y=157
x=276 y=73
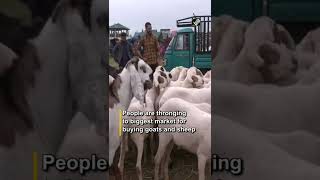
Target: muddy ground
x=184 y=166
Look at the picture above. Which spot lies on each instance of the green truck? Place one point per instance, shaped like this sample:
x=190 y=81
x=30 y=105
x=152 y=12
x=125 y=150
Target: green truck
x=298 y=16
x=191 y=46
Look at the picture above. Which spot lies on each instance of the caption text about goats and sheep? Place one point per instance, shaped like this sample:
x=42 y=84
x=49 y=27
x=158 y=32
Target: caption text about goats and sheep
x=136 y=122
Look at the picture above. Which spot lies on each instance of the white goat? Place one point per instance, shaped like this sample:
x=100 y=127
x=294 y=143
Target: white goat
x=194 y=79
x=161 y=77
x=133 y=81
x=198 y=142
x=175 y=72
x=191 y=95
x=161 y=80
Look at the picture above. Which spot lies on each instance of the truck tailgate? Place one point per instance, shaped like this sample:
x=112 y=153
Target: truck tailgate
x=203 y=61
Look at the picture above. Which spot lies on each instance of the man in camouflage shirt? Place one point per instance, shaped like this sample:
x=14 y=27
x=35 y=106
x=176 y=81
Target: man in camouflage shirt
x=151 y=49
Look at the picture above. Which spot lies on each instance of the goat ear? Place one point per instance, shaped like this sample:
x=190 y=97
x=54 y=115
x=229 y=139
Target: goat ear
x=136 y=84
x=194 y=78
x=281 y=35
x=156 y=81
x=269 y=54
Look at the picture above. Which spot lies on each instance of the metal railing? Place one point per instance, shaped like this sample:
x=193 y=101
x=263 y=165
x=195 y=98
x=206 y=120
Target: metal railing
x=202 y=32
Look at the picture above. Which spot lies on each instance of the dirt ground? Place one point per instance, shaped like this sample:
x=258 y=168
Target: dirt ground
x=184 y=166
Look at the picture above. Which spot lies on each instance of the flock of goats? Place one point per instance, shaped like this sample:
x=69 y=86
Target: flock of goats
x=265 y=100
x=266 y=94
x=181 y=89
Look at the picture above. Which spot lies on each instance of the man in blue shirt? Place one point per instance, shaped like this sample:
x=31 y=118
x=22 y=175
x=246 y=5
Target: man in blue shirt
x=122 y=52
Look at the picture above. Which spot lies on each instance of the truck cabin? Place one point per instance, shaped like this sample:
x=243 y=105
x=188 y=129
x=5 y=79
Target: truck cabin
x=191 y=46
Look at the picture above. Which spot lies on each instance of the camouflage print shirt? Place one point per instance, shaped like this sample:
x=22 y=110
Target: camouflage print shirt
x=150 y=48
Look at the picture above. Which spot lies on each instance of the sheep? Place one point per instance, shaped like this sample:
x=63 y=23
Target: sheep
x=194 y=79
x=133 y=81
x=277 y=109
x=258 y=155
x=191 y=95
x=161 y=80
x=175 y=72
x=7 y=57
x=198 y=142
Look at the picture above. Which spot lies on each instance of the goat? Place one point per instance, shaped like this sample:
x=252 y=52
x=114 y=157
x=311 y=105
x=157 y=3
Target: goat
x=133 y=81
x=160 y=79
x=198 y=142
x=191 y=95
x=175 y=72
x=194 y=79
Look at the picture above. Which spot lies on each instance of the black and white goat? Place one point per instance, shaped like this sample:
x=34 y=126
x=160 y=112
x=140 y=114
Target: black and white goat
x=133 y=81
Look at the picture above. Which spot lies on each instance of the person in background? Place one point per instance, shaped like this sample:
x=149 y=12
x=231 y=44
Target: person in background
x=122 y=52
x=135 y=43
x=151 y=49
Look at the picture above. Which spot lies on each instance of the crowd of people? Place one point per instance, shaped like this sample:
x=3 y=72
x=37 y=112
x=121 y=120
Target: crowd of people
x=146 y=47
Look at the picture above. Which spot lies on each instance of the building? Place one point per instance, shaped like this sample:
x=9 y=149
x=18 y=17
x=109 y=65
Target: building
x=165 y=33
x=116 y=29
